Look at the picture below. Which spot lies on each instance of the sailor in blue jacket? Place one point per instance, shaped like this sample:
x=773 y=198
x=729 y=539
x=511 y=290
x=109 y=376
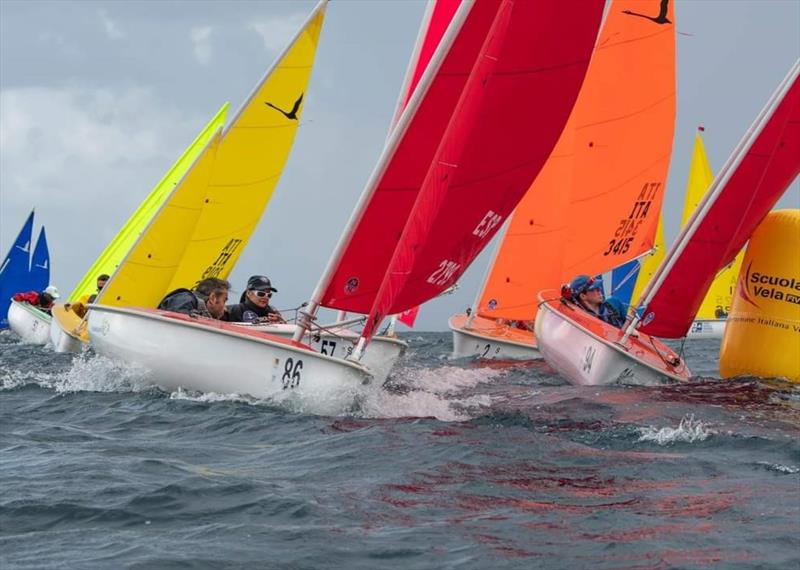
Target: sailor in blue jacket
x=587 y=293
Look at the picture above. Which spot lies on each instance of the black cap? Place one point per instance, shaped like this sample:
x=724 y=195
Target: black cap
x=260 y=283
x=103 y=277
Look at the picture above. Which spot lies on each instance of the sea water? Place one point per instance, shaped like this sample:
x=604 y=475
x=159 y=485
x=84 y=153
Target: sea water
x=454 y=464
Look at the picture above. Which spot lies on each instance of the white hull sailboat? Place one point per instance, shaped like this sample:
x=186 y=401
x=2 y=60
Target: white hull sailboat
x=764 y=163
x=453 y=115
x=212 y=356
x=491 y=340
x=339 y=342
x=585 y=350
x=31 y=324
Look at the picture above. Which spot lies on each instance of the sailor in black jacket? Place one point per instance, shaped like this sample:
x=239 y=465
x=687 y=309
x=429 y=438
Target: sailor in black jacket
x=254 y=303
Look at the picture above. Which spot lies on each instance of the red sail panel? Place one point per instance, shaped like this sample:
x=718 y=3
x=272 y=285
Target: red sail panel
x=511 y=113
x=767 y=168
x=441 y=15
x=362 y=263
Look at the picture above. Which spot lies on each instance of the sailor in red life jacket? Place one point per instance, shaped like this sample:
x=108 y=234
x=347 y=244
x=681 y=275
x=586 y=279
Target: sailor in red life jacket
x=587 y=293
x=42 y=301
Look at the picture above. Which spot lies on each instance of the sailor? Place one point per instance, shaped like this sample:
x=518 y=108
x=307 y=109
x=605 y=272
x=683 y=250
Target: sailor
x=80 y=306
x=102 y=279
x=254 y=303
x=43 y=301
x=587 y=293
x=207 y=299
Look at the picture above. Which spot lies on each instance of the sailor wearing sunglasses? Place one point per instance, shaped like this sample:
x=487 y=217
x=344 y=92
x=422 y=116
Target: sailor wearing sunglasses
x=254 y=303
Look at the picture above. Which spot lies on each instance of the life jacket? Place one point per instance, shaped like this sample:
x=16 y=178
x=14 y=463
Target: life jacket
x=30 y=297
x=184 y=301
x=247 y=312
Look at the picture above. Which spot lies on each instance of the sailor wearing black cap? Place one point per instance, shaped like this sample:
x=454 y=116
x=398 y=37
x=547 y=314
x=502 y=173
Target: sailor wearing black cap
x=254 y=303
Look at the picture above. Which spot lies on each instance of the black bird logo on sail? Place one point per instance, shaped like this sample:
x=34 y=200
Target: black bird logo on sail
x=291 y=115
x=660 y=19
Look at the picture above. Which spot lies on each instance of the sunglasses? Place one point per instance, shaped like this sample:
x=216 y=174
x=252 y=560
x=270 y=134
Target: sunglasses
x=266 y=294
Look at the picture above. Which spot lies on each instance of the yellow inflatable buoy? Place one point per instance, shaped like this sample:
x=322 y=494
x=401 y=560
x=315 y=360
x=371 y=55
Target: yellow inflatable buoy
x=762 y=335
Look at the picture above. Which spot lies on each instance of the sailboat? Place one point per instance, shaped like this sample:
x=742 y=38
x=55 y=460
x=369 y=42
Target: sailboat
x=68 y=330
x=27 y=273
x=629 y=280
x=425 y=218
x=617 y=173
x=764 y=163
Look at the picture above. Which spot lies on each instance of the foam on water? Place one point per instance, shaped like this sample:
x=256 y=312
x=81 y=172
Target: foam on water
x=689 y=430
x=430 y=392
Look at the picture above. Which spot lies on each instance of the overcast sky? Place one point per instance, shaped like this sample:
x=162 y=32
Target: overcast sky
x=97 y=99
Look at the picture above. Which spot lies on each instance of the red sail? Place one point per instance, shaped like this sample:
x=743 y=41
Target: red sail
x=767 y=162
x=438 y=17
x=422 y=231
x=512 y=110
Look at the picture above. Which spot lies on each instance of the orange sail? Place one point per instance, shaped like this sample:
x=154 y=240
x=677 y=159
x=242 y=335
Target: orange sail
x=596 y=203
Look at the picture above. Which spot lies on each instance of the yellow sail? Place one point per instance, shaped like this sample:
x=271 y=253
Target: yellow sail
x=112 y=255
x=717 y=302
x=649 y=263
x=145 y=273
x=251 y=157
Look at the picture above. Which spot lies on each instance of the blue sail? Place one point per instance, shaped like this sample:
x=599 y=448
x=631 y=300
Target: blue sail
x=39 y=277
x=623 y=280
x=14 y=272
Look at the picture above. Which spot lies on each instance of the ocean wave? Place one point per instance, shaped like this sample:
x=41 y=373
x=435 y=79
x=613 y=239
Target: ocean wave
x=689 y=430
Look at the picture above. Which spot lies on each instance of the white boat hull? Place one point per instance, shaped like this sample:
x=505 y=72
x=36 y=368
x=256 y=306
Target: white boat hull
x=711 y=328
x=586 y=358
x=210 y=356
x=61 y=341
x=31 y=324
x=60 y=338
x=380 y=356
x=475 y=343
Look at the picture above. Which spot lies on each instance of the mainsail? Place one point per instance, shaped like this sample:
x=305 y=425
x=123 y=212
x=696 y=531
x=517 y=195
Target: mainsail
x=462 y=154
x=39 y=275
x=145 y=273
x=250 y=160
x=760 y=169
x=108 y=261
x=206 y=222
x=15 y=268
x=717 y=301
x=595 y=204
